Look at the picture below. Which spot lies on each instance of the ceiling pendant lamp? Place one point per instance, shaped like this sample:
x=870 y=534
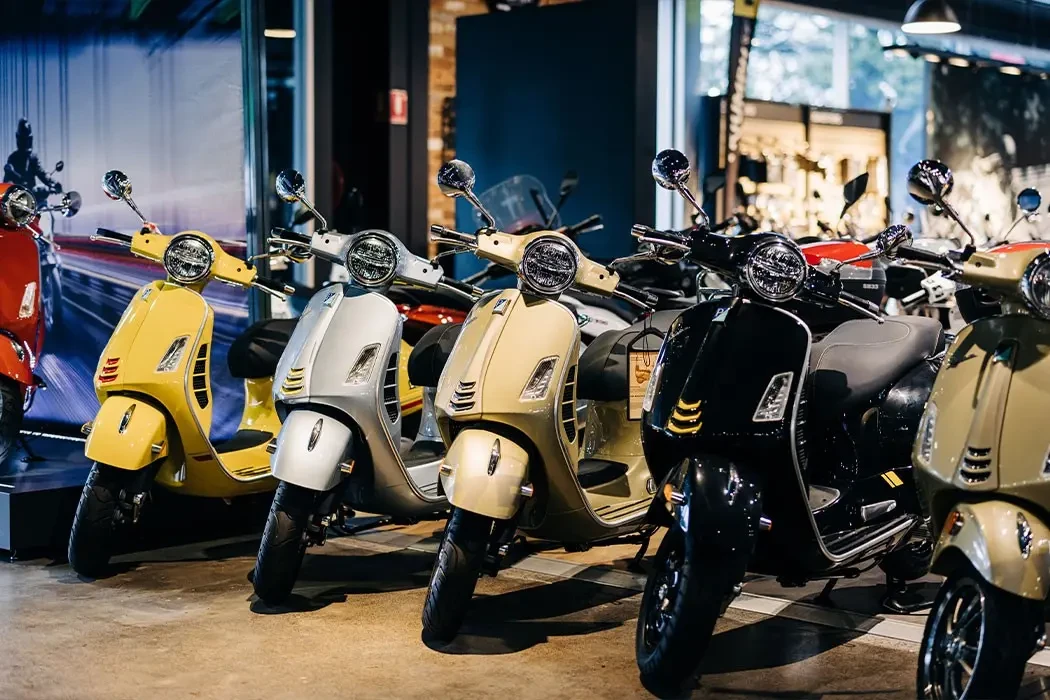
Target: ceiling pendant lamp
x=930 y=17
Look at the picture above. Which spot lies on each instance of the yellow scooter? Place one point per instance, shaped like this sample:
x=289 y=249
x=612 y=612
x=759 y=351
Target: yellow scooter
x=153 y=381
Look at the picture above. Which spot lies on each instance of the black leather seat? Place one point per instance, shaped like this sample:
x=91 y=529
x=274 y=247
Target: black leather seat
x=255 y=352
x=859 y=359
x=430 y=354
x=603 y=365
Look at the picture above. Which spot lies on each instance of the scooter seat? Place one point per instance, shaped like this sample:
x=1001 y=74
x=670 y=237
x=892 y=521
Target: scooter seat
x=603 y=365
x=255 y=352
x=859 y=359
x=430 y=354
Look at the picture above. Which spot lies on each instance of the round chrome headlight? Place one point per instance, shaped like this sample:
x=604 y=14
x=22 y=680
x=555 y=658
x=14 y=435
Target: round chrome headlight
x=372 y=260
x=1035 y=285
x=17 y=206
x=776 y=270
x=188 y=259
x=548 y=265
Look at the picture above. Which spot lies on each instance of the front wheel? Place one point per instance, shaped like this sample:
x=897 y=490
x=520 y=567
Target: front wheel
x=283 y=543
x=455 y=575
x=11 y=410
x=977 y=640
x=98 y=513
x=685 y=594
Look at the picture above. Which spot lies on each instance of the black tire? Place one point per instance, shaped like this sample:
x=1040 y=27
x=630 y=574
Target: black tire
x=11 y=407
x=455 y=575
x=51 y=300
x=283 y=543
x=686 y=593
x=995 y=639
x=93 y=534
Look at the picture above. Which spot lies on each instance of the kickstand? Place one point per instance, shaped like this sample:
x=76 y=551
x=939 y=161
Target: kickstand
x=635 y=564
x=365 y=526
x=899 y=599
x=824 y=597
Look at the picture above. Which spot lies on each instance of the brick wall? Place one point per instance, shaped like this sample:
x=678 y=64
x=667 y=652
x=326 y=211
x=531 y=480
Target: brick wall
x=442 y=87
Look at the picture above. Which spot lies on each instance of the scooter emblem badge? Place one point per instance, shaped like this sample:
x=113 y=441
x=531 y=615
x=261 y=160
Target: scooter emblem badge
x=494 y=457
x=314 y=435
x=126 y=419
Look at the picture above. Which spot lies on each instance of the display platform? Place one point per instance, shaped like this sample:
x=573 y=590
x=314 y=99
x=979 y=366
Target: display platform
x=40 y=483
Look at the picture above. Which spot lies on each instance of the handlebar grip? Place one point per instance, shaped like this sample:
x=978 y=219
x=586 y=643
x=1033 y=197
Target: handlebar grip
x=908 y=252
x=641 y=230
x=275 y=287
x=458 y=286
x=592 y=221
x=105 y=234
x=442 y=231
x=289 y=235
x=637 y=296
x=723 y=225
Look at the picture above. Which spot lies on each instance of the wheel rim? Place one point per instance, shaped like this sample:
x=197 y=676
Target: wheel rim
x=666 y=589
x=955 y=642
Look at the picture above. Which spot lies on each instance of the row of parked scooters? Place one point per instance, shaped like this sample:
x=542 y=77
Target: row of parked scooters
x=757 y=428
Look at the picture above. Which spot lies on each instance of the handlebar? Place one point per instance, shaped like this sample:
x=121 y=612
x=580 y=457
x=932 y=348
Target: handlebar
x=463 y=289
x=635 y=296
x=924 y=257
x=111 y=236
x=673 y=240
x=285 y=234
x=273 y=287
x=591 y=223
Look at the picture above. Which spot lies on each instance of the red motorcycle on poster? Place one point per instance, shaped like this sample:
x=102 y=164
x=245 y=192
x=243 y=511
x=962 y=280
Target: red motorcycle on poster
x=22 y=318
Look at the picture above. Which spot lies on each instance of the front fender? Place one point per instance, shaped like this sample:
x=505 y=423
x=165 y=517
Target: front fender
x=127 y=433
x=310 y=448
x=988 y=539
x=720 y=507
x=15 y=363
x=483 y=473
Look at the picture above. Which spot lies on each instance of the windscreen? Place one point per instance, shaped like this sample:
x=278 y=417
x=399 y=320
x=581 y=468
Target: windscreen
x=519 y=203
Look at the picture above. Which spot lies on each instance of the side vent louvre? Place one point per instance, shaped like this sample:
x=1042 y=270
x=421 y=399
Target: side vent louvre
x=200 y=377
x=568 y=405
x=463 y=397
x=976 y=465
x=390 y=402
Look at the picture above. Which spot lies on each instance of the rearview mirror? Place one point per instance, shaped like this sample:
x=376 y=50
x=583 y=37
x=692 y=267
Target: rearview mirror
x=930 y=181
x=290 y=185
x=456 y=179
x=891 y=239
x=852 y=191
x=71 y=204
x=1029 y=199
x=568 y=184
x=671 y=171
x=59 y=166
x=116 y=185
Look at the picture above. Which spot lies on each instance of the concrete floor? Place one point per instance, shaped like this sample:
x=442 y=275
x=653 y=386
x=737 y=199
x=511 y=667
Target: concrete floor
x=181 y=622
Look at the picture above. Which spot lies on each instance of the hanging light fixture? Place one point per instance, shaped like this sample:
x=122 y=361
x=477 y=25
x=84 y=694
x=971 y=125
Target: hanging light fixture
x=930 y=17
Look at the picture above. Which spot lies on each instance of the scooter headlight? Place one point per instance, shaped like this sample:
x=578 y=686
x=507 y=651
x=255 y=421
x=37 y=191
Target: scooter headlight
x=372 y=260
x=924 y=451
x=776 y=270
x=188 y=258
x=548 y=265
x=1035 y=285
x=17 y=206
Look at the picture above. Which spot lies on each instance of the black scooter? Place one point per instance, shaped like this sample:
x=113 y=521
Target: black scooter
x=776 y=451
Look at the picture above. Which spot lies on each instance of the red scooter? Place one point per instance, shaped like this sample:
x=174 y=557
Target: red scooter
x=21 y=318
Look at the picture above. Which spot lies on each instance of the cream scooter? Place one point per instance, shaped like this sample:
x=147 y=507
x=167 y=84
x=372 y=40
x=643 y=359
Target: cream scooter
x=506 y=405
x=338 y=386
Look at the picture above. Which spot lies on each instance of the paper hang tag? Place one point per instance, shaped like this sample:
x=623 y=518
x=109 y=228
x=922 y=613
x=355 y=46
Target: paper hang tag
x=640 y=366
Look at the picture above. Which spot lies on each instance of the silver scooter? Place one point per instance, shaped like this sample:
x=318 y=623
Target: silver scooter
x=341 y=388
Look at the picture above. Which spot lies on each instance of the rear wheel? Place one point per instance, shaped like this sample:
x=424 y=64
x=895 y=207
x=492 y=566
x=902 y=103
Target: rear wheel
x=686 y=593
x=455 y=575
x=11 y=408
x=94 y=531
x=977 y=640
x=283 y=543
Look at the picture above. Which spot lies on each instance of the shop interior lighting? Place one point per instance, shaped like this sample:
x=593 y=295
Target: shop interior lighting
x=930 y=17
x=279 y=33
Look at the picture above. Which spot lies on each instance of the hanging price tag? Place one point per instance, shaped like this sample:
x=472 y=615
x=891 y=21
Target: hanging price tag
x=640 y=366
